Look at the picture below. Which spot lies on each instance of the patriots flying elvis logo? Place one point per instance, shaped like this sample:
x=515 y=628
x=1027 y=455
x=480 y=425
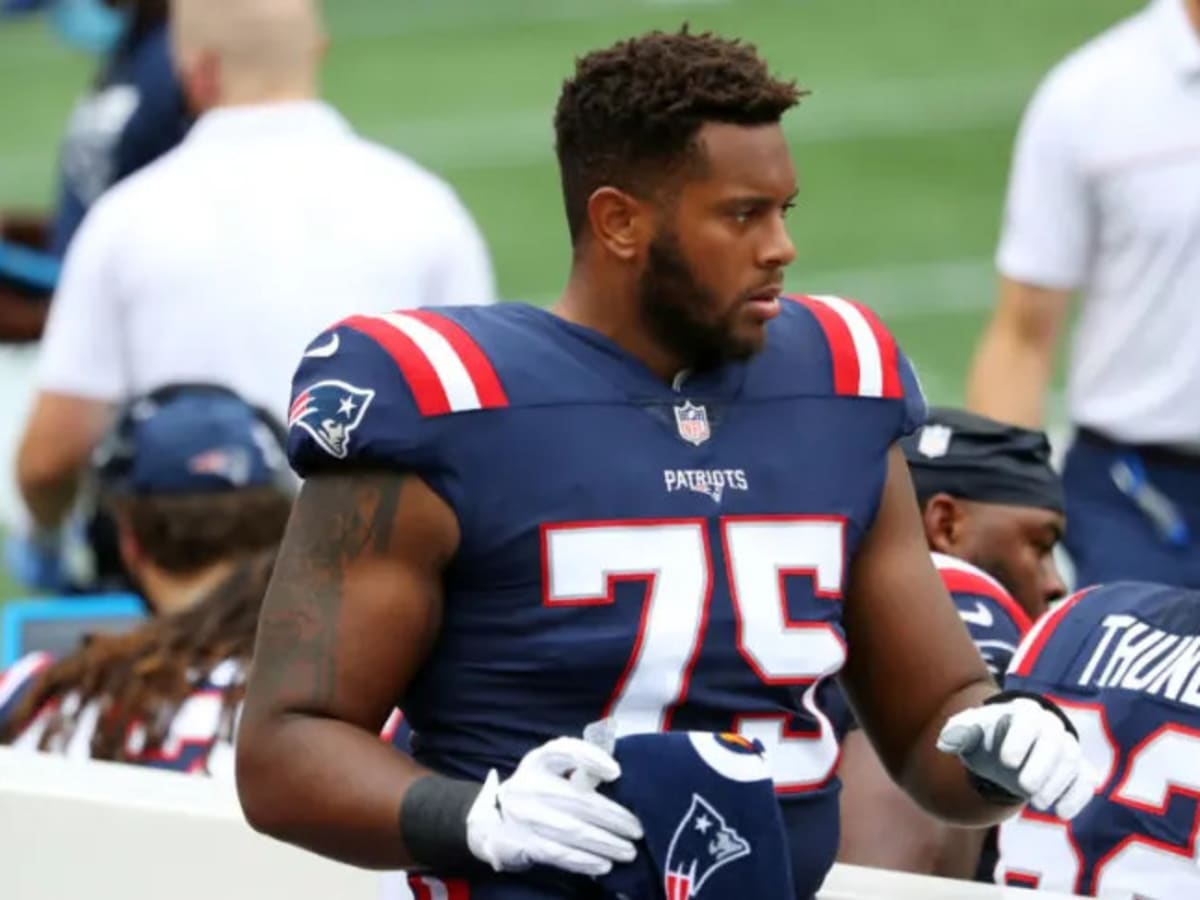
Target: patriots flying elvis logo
x=702 y=843
x=330 y=411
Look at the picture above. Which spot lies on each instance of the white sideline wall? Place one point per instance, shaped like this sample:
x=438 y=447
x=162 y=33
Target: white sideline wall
x=71 y=829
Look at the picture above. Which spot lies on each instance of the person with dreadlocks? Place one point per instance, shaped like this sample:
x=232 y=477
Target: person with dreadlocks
x=164 y=695
x=673 y=502
x=190 y=478
x=194 y=480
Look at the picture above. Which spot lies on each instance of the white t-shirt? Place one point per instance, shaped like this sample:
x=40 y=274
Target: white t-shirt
x=1104 y=198
x=221 y=260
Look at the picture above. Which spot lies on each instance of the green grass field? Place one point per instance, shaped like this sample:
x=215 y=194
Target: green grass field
x=903 y=146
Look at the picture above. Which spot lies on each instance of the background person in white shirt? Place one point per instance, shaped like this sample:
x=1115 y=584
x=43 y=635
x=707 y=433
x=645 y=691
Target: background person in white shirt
x=218 y=262
x=1104 y=202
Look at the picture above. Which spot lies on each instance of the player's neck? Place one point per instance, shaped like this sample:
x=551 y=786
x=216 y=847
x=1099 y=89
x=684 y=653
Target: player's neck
x=588 y=302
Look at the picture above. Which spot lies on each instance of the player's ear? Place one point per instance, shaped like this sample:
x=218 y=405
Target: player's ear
x=942 y=517
x=620 y=222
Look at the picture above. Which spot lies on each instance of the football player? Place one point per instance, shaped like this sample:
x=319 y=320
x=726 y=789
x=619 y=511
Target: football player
x=992 y=506
x=673 y=499
x=196 y=482
x=1123 y=661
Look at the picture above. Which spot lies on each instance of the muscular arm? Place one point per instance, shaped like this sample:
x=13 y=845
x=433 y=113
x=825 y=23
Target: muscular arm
x=1015 y=357
x=911 y=663
x=352 y=610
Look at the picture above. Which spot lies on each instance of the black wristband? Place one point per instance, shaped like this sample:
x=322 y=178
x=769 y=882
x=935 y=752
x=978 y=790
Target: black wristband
x=992 y=792
x=433 y=822
x=1041 y=700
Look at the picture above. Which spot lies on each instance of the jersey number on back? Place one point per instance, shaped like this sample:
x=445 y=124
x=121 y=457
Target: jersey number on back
x=1040 y=851
x=674 y=557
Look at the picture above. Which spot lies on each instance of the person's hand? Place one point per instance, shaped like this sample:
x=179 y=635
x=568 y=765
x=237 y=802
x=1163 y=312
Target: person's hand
x=1025 y=747
x=541 y=816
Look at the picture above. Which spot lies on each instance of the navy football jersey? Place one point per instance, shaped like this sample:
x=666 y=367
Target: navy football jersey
x=1123 y=660
x=672 y=556
x=994 y=619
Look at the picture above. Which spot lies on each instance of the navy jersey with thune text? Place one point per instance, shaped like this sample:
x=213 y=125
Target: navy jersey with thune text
x=670 y=555
x=1123 y=660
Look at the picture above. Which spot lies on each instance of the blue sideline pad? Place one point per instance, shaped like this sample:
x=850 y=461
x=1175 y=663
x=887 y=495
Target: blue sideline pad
x=56 y=625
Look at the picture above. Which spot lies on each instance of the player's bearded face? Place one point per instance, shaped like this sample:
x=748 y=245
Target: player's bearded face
x=683 y=314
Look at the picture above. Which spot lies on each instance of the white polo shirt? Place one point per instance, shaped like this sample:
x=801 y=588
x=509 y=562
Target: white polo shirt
x=1104 y=198
x=223 y=259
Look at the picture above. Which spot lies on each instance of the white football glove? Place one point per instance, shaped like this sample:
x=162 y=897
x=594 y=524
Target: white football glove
x=539 y=817
x=1024 y=749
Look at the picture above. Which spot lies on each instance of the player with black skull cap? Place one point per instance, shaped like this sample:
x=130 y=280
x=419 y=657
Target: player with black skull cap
x=992 y=505
x=989 y=495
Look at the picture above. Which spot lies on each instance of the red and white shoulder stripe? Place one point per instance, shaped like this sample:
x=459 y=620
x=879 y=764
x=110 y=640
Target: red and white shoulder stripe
x=1035 y=641
x=960 y=577
x=866 y=361
x=444 y=366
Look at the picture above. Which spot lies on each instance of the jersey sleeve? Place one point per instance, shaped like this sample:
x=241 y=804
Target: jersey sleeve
x=995 y=621
x=383 y=391
x=865 y=359
x=352 y=407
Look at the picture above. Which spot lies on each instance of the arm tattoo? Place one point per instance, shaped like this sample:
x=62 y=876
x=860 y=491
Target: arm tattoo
x=337 y=520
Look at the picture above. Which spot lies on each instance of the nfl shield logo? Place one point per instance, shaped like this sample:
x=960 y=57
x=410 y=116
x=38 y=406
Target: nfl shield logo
x=692 y=422
x=934 y=441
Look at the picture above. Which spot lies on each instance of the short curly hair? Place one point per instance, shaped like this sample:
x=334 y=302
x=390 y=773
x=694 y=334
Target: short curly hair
x=630 y=113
